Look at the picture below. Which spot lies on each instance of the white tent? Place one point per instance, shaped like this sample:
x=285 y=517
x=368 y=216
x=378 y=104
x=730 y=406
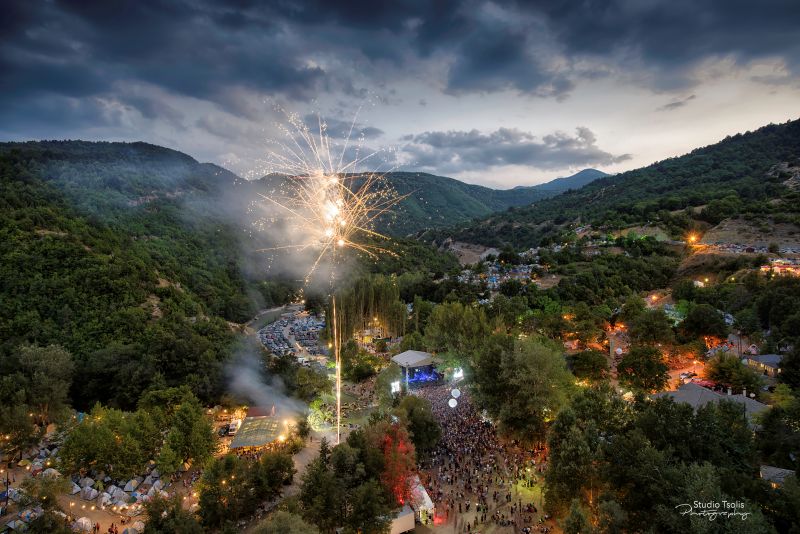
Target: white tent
x=131 y=485
x=138 y=525
x=83 y=524
x=87 y=482
x=118 y=494
x=155 y=473
x=89 y=493
x=148 y=481
x=158 y=484
x=51 y=473
x=75 y=489
x=104 y=499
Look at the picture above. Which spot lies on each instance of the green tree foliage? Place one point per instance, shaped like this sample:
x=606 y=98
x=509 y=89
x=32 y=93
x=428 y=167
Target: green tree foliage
x=591 y=365
x=342 y=488
x=367 y=299
x=121 y=443
x=453 y=327
x=118 y=442
x=728 y=370
x=643 y=369
x=282 y=522
x=167 y=516
x=423 y=427
x=523 y=387
x=651 y=326
x=576 y=521
x=640 y=461
x=704 y=320
x=271 y=472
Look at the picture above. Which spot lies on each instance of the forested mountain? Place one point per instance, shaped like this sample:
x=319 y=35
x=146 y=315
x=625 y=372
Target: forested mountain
x=134 y=258
x=736 y=176
x=437 y=201
x=135 y=291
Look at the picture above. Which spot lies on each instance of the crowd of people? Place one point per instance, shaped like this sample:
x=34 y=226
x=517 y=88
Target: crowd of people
x=476 y=479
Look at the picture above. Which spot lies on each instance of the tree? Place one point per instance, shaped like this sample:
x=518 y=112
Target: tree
x=282 y=522
x=590 y=365
x=271 y=473
x=225 y=493
x=728 y=370
x=167 y=516
x=577 y=522
x=704 y=320
x=17 y=424
x=191 y=435
x=643 y=369
x=537 y=385
x=370 y=513
x=45 y=490
x=48 y=372
x=456 y=328
x=651 y=326
x=399 y=462
x=303 y=428
x=425 y=430
x=412 y=341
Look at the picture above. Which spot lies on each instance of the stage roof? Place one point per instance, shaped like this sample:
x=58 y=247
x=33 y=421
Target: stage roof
x=413 y=358
x=257 y=432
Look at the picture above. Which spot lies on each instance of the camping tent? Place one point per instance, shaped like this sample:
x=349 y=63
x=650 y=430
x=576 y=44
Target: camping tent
x=83 y=524
x=17 y=526
x=75 y=489
x=86 y=482
x=51 y=473
x=89 y=493
x=131 y=485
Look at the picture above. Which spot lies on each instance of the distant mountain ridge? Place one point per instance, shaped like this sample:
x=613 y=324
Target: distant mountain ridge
x=107 y=178
x=734 y=177
x=437 y=201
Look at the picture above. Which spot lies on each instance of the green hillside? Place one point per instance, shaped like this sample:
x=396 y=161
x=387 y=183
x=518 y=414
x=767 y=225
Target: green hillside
x=135 y=258
x=729 y=178
x=437 y=201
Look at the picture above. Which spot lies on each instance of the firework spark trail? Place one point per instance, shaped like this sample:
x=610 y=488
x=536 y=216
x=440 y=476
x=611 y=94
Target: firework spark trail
x=334 y=206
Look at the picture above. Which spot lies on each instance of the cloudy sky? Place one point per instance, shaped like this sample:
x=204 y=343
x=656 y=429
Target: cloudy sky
x=498 y=93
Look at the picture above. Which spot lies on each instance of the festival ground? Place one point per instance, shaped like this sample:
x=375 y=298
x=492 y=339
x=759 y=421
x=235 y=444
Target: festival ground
x=480 y=483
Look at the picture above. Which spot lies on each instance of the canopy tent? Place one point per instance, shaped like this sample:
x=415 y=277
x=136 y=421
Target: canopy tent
x=413 y=358
x=257 y=432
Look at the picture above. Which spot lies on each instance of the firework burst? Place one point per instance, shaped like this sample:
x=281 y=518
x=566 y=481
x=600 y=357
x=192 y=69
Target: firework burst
x=331 y=203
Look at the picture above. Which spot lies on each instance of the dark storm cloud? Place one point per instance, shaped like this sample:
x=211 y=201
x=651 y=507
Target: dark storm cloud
x=474 y=150
x=73 y=61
